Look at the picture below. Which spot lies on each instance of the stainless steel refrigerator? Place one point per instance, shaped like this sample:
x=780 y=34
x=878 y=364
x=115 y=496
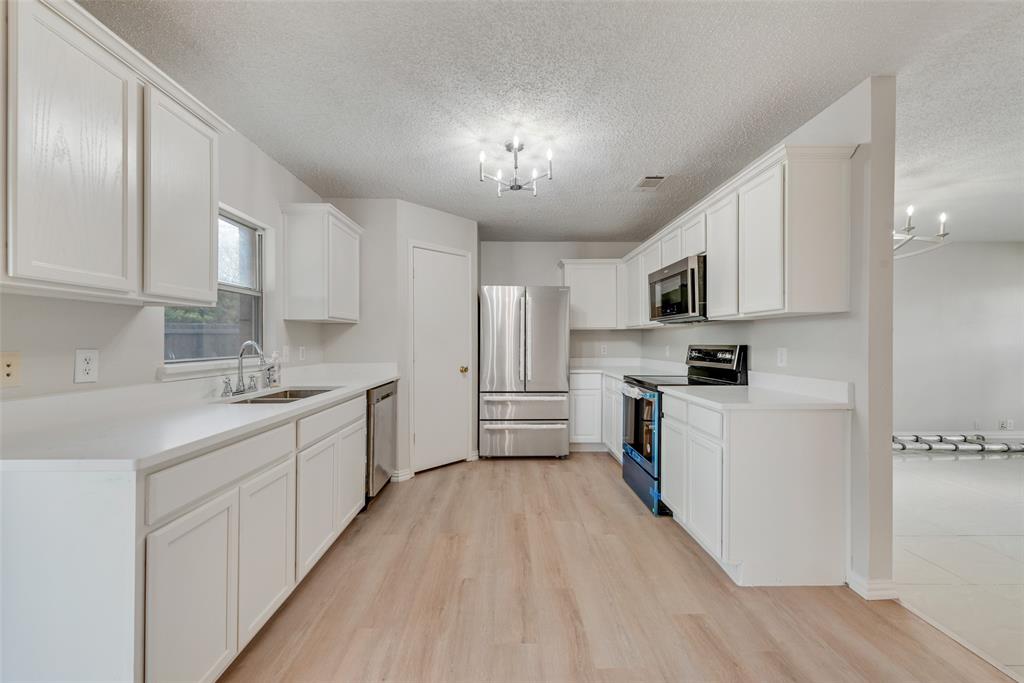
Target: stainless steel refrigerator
x=524 y=371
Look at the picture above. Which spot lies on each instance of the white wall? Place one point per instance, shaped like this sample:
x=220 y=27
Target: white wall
x=853 y=346
x=958 y=338
x=383 y=330
x=537 y=263
x=130 y=339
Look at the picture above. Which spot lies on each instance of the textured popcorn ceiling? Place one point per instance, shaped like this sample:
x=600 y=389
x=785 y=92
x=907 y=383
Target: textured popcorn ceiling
x=396 y=99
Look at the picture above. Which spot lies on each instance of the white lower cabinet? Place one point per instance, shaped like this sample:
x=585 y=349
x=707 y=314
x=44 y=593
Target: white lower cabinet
x=266 y=547
x=703 y=478
x=316 y=516
x=585 y=416
x=352 y=472
x=192 y=593
x=611 y=417
x=673 y=468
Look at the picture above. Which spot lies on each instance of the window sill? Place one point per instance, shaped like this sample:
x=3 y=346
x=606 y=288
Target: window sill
x=173 y=372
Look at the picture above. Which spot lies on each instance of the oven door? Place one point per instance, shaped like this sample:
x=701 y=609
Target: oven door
x=641 y=413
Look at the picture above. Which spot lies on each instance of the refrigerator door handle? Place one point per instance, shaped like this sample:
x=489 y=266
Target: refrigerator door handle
x=529 y=346
x=522 y=339
x=504 y=399
x=524 y=427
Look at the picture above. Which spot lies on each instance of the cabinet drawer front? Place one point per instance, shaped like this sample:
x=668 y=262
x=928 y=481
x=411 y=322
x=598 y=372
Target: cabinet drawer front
x=316 y=427
x=705 y=420
x=585 y=380
x=674 y=408
x=172 y=489
x=524 y=406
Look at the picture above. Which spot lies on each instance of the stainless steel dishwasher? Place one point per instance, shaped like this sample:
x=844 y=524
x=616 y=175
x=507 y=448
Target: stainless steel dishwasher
x=381 y=444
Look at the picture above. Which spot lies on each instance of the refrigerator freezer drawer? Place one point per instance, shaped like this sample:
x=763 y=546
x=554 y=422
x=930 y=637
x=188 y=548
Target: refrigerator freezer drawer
x=524 y=406
x=524 y=438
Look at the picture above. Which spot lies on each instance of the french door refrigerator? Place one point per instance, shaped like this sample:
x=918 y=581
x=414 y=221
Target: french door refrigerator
x=524 y=371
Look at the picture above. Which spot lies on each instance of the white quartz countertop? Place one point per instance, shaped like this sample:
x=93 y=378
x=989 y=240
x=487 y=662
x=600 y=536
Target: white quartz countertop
x=143 y=440
x=751 y=398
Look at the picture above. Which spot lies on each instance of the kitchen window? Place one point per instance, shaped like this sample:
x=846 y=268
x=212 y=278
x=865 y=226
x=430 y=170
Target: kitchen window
x=205 y=333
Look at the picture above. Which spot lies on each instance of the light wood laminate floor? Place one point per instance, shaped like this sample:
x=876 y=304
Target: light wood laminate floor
x=552 y=570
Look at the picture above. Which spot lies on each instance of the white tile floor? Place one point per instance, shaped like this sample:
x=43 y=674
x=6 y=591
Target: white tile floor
x=959 y=555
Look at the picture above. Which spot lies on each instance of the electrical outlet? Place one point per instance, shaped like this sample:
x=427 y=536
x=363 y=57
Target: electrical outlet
x=668 y=351
x=781 y=356
x=87 y=366
x=11 y=362
x=302 y=353
x=604 y=349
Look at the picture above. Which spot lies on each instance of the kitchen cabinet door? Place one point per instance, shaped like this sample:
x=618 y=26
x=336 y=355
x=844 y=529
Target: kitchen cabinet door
x=181 y=204
x=650 y=261
x=351 y=472
x=761 y=243
x=703 y=476
x=74 y=117
x=343 y=271
x=634 y=292
x=585 y=416
x=593 y=293
x=316 y=502
x=192 y=593
x=694 y=237
x=607 y=426
x=673 y=468
x=266 y=547
x=722 y=265
x=672 y=247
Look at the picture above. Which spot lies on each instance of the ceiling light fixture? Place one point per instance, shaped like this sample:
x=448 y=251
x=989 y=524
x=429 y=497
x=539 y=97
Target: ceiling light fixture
x=514 y=185
x=905 y=235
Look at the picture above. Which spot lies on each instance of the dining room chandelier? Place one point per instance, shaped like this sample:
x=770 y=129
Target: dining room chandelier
x=515 y=183
x=905 y=235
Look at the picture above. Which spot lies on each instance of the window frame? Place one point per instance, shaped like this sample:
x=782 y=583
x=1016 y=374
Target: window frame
x=231 y=216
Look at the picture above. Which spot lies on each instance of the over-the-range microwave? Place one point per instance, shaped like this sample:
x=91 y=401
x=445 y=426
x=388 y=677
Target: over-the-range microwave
x=678 y=291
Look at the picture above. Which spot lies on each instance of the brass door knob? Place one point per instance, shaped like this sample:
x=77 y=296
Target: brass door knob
x=463 y=369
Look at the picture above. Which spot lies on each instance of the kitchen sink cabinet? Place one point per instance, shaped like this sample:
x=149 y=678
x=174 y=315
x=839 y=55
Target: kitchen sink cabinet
x=321 y=264
x=317 y=514
x=266 y=547
x=109 y=159
x=192 y=594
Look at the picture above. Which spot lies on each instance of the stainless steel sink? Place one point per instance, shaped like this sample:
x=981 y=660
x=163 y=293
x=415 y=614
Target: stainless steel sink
x=285 y=396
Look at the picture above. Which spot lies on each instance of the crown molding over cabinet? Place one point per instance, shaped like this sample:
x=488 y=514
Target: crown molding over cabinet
x=136 y=185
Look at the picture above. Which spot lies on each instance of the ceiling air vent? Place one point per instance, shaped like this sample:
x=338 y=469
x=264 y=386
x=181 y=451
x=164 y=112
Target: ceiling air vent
x=649 y=183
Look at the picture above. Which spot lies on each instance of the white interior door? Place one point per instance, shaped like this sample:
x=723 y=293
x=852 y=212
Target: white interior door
x=442 y=342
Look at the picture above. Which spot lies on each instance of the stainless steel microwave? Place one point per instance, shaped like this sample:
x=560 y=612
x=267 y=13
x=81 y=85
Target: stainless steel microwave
x=678 y=291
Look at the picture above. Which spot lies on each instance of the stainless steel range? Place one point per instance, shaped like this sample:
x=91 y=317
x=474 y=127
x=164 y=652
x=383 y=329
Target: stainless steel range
x=713 y=364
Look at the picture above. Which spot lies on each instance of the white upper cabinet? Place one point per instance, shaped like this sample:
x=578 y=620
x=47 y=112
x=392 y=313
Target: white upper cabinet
x=672 y=246
x=650 y=261
x=694 y=238
x=107 y=159
x=593 y=293
x=762 y=238
x=74 y=117
x=723 y=258
x=634 y=305
x=181 y=199
x=321 y=279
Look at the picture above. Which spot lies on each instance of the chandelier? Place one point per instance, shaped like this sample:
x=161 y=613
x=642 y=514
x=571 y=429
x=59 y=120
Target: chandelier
x=905 y=235
x=515 y=183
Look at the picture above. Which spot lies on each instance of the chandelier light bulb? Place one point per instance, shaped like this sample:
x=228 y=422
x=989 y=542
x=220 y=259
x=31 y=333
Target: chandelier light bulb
x=498 y=174
x=942 y=217
x=549 y=154
x=483 y=157
x=515 y=141
x=534 y=176
x=910 y=210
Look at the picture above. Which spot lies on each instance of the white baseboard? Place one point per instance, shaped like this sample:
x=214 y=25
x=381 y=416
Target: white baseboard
x=588 y=447
x=402 y=475
x=873 y=589
x=474 y=455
